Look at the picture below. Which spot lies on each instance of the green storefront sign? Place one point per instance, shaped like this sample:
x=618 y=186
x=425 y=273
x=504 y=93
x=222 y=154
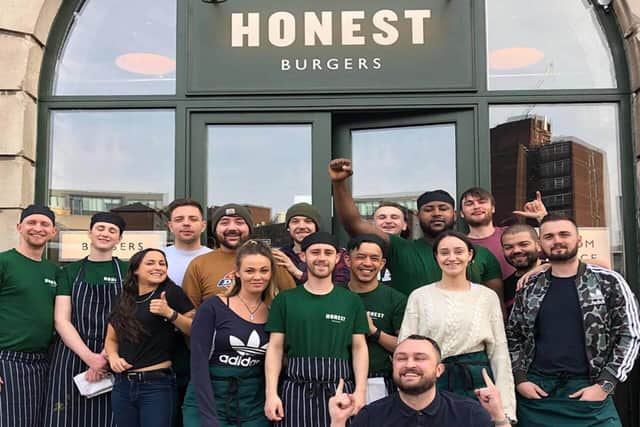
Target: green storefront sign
x=251 y=46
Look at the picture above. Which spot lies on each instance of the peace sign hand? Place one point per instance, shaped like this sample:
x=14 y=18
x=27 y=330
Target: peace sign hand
x=489 y=398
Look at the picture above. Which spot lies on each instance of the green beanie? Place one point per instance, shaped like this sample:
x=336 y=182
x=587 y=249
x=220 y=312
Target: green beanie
x=231 y=209
x=303 y=209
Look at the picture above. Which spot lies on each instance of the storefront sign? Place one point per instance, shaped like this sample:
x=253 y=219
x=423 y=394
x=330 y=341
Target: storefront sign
x=595 y=244
x=74 y=245
x=252 y=46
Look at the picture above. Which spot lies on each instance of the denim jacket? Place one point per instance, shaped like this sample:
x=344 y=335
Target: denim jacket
x=610 y=319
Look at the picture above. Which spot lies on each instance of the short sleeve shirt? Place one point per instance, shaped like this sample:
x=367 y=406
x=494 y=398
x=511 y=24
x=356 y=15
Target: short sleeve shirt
x=318 y=325
x=95 y=273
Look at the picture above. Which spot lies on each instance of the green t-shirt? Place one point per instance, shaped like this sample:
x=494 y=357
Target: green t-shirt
x=412 y=264
x=27 y=293
x=317 y=325
x=95 y=273
x=386 y=307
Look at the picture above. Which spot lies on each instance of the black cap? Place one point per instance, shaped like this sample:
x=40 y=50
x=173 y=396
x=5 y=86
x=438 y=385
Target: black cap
x=435 y=196
x=109 y=217
x=38 y=210
x=319 y=237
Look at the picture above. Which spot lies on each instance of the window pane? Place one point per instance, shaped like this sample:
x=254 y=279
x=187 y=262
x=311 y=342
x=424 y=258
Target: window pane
x=104 y=160
x=266 y=167
x=546 y=44
x=120 y=47
x=570 y=154
x=390 y=165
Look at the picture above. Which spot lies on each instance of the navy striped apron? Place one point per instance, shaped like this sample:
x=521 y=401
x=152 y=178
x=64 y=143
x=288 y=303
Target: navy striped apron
x=65 y=406
x=21 y=396
x=309 y=383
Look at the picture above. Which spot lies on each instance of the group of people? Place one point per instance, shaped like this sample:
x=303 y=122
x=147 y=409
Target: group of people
x=387 y=331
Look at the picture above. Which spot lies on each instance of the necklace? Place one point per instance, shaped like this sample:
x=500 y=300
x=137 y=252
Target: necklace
x=251 y=312
x=147 y=298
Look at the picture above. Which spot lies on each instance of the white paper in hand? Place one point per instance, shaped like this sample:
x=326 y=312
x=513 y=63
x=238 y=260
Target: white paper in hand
x=89 y=389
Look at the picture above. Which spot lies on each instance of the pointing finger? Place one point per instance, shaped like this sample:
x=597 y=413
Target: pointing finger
x=340 y=387
x=538 y=196
x=487 y=378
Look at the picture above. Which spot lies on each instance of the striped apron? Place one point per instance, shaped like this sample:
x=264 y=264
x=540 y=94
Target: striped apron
x=64 y=406
x=309 y=383
x=559 y=409
x=21 y=396
x=239 y=395
x=463 y=373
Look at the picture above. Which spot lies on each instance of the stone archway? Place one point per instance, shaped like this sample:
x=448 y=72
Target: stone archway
x=24 y=30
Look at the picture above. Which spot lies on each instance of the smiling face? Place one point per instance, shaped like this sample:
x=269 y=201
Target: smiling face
x=254 y=273
x=390 y=220
x=477 y=211
x=187 y=224
x=231 y=232
x=453 y=256
x=104 y=236
x=36 y=230
x=436 y=217
x=300 y=227
x=321 y=259
x=520 y=250
x=365 y=262
x=152 y=269
x=416 y=366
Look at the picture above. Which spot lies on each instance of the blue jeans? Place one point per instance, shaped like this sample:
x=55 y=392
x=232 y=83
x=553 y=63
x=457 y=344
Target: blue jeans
x=144 y=402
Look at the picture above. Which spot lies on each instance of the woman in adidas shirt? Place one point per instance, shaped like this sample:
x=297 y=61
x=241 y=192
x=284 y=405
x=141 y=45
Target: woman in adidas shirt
x=228 y=345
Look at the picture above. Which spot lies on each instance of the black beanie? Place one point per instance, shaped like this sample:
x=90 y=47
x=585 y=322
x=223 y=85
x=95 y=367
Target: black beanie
x=435 y=196
x=318 y=237
x=108 y=217
x=38 y=210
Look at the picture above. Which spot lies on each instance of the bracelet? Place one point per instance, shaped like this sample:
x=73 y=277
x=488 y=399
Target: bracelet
x=172 y=318
x=374 y=337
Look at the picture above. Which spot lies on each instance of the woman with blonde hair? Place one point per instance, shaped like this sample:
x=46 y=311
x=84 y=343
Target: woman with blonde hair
x=465 y=318
x=228 y=345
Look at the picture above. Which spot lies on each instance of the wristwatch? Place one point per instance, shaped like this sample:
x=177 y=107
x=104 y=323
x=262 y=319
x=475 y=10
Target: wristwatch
x=172 y=318
x=607 y=386
x=374 y=337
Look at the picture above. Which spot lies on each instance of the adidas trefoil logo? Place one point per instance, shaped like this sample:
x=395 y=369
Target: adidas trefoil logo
x=249 y=354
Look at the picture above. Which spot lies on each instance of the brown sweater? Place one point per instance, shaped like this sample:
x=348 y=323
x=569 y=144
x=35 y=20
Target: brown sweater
x=213 y=274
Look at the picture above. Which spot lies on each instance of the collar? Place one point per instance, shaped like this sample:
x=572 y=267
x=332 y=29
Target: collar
x=582 y=267
x=430 y=410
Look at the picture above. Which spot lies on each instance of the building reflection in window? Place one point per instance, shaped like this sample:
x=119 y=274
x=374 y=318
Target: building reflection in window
x=570 y=154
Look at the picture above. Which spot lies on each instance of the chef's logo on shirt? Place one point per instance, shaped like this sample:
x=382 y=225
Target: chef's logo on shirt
x=245 y=351
x=226 y=281
x=375 y=315
x=108 y=279
x=51 y=283
x=335 y=318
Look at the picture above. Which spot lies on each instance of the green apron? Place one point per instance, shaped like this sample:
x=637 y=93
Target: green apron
x=239 y=394
x=463 y=373
x=560 y=410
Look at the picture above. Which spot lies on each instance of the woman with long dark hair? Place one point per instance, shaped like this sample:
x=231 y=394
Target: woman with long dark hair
x=141 y=339
x=228 y=344
x=465 y=318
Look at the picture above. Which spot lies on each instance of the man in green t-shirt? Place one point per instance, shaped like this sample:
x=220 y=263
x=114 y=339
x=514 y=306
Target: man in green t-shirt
x=27 y=291
x=411 y=262
x=385 y=310
x=321 y=328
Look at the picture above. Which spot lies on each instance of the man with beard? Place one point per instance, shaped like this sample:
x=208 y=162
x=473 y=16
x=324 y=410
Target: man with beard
x=321 y=328
x=573 y=334
x=385 y=310
x=416 y=367
x=27 y=292
x=213 y=273
x=520 y=248
x=411 y=261
x=303 y=219
x=477 y=207
x=186 y=222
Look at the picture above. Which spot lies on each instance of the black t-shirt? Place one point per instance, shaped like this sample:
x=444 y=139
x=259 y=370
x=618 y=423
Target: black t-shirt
x=509 y=289
x=560 y=342
x=446 y=410
x=159 y=342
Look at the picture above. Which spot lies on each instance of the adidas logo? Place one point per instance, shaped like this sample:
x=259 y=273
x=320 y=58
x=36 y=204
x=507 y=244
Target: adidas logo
x=247 y=352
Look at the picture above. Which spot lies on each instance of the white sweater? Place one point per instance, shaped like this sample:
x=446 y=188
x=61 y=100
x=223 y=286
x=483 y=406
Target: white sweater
x=464 y=322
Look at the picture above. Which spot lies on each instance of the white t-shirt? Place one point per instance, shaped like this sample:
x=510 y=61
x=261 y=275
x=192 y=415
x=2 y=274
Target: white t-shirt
x=179 y=260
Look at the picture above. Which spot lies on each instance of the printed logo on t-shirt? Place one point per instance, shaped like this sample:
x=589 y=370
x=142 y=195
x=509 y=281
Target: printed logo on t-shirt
x=245 y=351
x=375 y=315
x=226 y=281
x=335 y=318
x=109 y=279
x=51 y=283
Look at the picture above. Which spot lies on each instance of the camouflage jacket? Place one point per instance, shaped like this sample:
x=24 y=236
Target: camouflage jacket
x=610 y=319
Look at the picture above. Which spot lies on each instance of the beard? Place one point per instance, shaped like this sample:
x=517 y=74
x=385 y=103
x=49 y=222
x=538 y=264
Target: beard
x=570 y=253
x=526 y=264
x=425 y=384
x=431 y=232
x=224 y=241
x=488 y=219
